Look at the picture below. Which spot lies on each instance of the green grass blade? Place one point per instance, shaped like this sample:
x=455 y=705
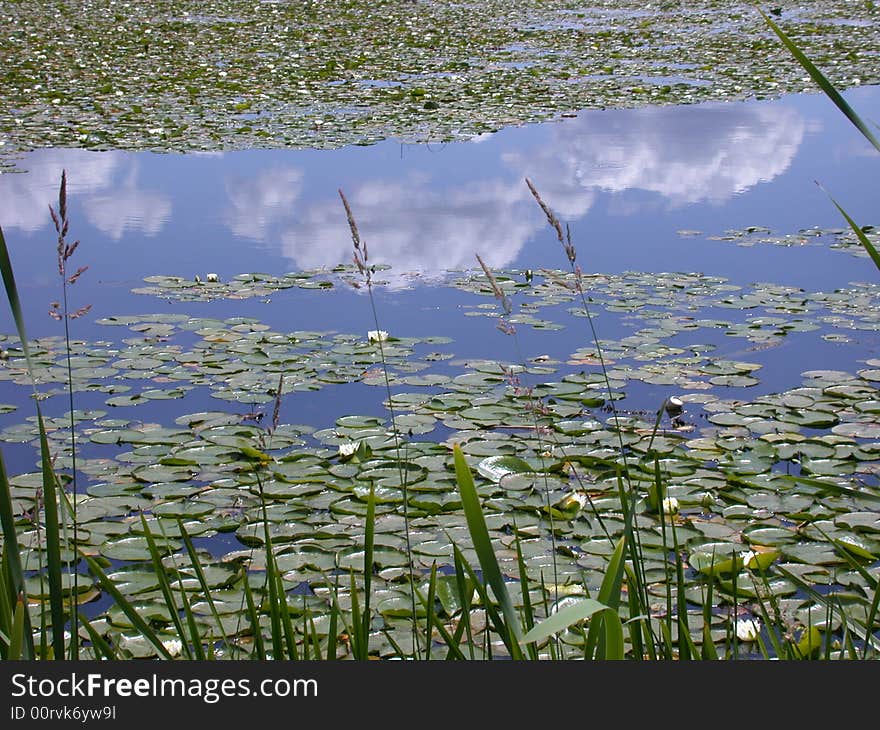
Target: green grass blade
x=200 y=576
x=634 y=627
x=14 y=301
x=494 y=619
x=430 y=608
x=316 y=640
x=864 y=633
x=144 y=628
x=563 y=619
x=860 y=234
x=254 y=616
x=333 y=632
x=398 y=649
x=609 y=594
x=613 y=647
x=528 y=611
x=708 y=651
x=450 y=641
x=271 y=588
x=167 y=593
x=284 y=612
x=8 y=599
x=824 y=84
x=369 y=537
x=483 y=546
x=103 y=650
x=777 y=645
x=12 y=556
x=16 y=635
x=358 y=640
x=53 y=542
x=465 y=590
x=687 y=649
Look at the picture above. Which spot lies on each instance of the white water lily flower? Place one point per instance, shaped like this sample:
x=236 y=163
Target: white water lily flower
x=212 y=277
x=747 y=629
x=377 y=336
x=347 y=449
x=173 y=646
x=749 y=558
x=670 y=506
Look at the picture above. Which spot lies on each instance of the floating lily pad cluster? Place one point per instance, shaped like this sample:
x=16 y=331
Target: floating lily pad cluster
x=242 y=286
x=839 y=239
x=184 y=75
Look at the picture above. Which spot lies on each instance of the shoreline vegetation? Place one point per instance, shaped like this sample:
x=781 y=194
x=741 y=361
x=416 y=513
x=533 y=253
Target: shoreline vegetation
x=663 y=546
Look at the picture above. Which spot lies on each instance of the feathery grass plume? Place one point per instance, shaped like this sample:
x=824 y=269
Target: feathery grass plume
x=837 y=98
x=534 y=407
x=633 y=544
x=362 y=261
x=65 y=251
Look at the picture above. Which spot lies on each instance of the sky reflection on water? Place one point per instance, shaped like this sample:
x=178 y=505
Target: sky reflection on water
x=626 y=181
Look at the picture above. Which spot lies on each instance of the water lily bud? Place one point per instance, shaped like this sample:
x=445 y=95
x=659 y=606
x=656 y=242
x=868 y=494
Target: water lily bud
x=347 y=449
x=173 y=646
x=674 y=406
x=377 y=336
x=747 y=629
x=670 y=506
x=212 y=277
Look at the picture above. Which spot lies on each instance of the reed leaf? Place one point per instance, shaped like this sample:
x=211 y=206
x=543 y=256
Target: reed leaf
x=609 y=596
x=860 y=234
x=14 y=301
x=528 y=611
x=16 y=634
x=483 y=547
x=369 y=537
x=168 y=595
x=830 y=91
x=12 y=557
x=284 y=612
x=358 y=641
x=127 y=608
x=53 y=541
x=573 y=614
x=465 y=589
x=430 y=608
x=200 y=576
x=254 y=616
x=333 y=632
x=102 y=649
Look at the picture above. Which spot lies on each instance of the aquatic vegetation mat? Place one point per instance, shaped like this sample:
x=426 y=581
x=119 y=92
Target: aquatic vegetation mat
x=770 y=481
x=226 y=74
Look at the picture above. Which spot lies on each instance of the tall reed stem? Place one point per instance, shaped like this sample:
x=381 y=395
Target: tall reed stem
x=361 y=261
x=65 y=251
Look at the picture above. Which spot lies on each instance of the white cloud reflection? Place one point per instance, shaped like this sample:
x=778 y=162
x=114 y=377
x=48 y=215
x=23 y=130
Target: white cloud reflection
x=685 y=155
x=258 y=205
x=415 y=226
x=105 y=183
x=128 y=207
x=25 y=197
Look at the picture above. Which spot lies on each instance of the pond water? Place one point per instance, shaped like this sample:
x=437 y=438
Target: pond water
x=716 y=270
x=645 y=190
